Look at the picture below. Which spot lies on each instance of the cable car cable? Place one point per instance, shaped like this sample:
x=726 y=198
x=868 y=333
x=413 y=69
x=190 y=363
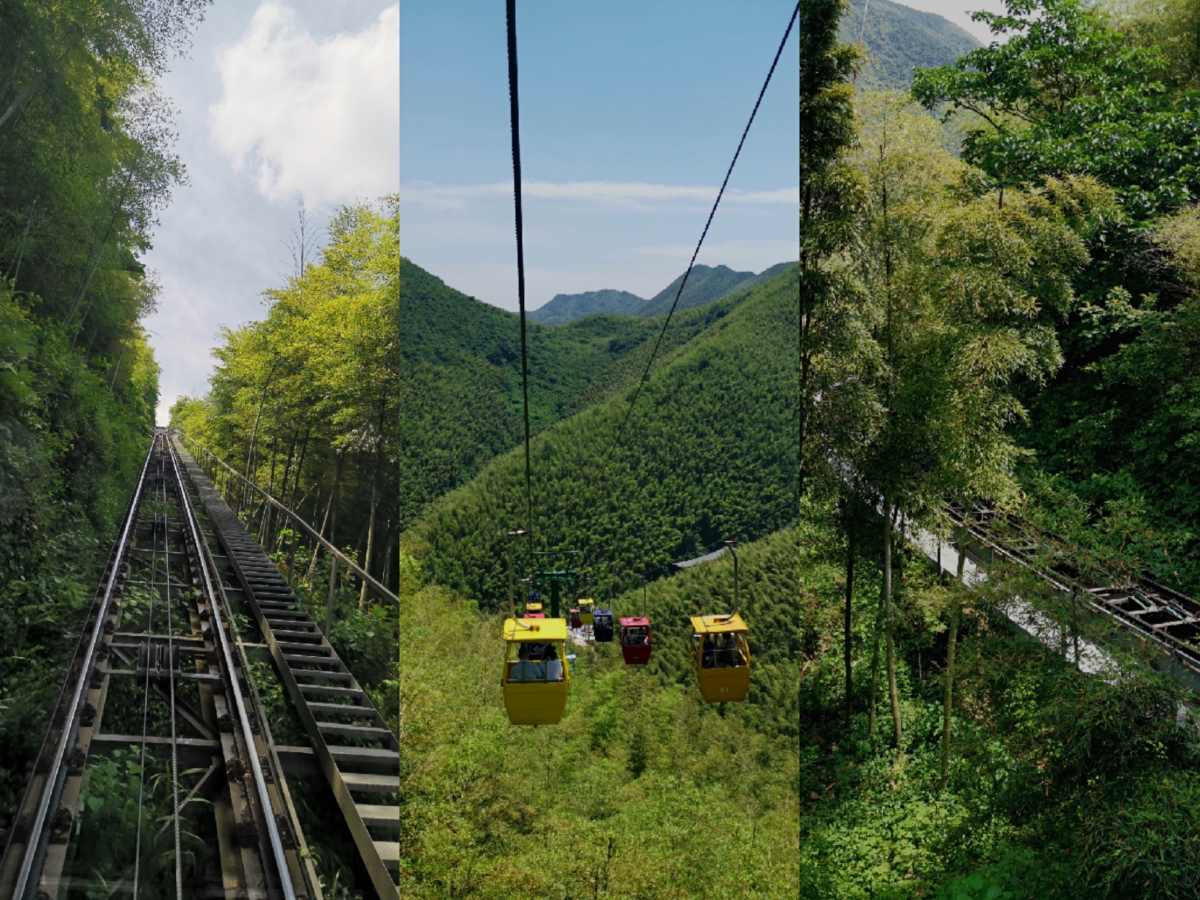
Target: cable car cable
x=514 y=120
x=712 y=212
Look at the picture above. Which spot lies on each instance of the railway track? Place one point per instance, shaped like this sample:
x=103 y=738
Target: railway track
x=158 y=775
x=1138 y=604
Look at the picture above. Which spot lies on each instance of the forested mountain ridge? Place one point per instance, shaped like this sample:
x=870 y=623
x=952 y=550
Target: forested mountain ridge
x=564 y=308
x=704 y=285
x=709 y=450
x=460 y=376
x=896 y=39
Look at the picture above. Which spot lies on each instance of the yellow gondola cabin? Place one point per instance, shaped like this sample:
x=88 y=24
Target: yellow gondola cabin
x=721 y=657
x=536 y=673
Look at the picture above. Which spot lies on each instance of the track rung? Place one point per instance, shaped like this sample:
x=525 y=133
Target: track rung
x=376 y=784
x=379 y=816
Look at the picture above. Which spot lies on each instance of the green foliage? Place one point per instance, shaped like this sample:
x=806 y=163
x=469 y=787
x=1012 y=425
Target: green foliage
x=86 y=161
x=114 y=789
x=1063 y=784
x=307 y=400
x=698 y=805
x=704 y=456
x=1066 y=94
x=1119 y=433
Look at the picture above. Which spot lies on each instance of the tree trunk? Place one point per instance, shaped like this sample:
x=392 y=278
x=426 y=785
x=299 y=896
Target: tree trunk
x=849 y=595
x=362 y=596
x=290 y=502
x=948 y=699
x=387 y=553
x=312 y=563
x=893 y=690
x=878 y=629
x=95 y=260
x=116 y=369
x=265 y=527
x=283 y=487
x=22 y=54
x=15 y=268
x=26 y=92
x=333 y=501
x=254 y=433
x=330 y=512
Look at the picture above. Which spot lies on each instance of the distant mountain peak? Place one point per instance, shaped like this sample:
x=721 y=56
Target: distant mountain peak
x=569 y=307
x=705 y=284
x=897 y=39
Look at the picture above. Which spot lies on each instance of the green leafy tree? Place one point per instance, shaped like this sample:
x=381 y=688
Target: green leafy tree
x=964 y=293
x=1066 y=94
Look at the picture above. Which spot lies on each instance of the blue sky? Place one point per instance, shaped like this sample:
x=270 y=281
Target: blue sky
x=275 y=101
x=630 y=113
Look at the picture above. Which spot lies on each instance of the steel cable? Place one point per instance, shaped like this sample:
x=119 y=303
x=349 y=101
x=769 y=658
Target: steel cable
x=514 y=120
x=703 y=234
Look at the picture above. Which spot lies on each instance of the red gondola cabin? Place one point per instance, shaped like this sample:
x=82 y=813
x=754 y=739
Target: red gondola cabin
x=635 y=640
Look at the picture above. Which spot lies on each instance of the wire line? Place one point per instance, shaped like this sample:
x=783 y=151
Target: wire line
x=712 y=212
x=514 y=117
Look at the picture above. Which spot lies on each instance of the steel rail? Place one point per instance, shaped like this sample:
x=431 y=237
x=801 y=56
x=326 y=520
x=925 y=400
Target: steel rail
x=375 y=585
x=137 y=852
x=1182 y=651
x=70 y=725
x=191 y=523
x=174 y=733
x=1179 y=650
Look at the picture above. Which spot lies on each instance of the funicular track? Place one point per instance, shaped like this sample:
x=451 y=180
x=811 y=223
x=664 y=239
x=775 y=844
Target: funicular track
x=1135 y=602
x=158 y=775
x=356 y=752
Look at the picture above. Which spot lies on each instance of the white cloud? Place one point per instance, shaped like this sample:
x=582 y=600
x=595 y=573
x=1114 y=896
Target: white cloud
x=626 y=195
x=319 y=118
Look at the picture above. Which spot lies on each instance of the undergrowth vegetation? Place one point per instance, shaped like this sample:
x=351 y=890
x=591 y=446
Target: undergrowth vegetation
x=641 y=791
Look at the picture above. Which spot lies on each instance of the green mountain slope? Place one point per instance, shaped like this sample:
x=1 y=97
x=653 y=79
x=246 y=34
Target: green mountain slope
x=897 y=39
x=704 y=284
x=568 y=307
x=460 y=385
x=710 y=450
